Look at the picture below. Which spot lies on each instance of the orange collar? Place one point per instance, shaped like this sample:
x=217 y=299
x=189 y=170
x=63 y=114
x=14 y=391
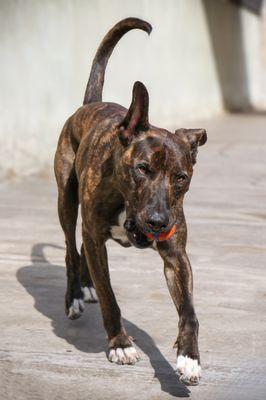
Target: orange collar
x=161 y=237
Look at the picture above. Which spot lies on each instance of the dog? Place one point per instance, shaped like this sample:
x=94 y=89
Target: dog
x=129 y=178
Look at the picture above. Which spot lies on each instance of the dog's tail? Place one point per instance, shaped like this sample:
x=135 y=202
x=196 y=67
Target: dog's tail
x=96 y=80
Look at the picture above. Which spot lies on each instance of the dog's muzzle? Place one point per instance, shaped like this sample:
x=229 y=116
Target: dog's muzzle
x=136 y=237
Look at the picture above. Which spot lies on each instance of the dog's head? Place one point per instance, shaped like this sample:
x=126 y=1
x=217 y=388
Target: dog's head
x=155 y=167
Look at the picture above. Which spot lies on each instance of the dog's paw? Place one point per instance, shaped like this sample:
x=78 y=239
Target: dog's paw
x=89 y=294
x=127 y=355
x=76 y=309
x=188 y=370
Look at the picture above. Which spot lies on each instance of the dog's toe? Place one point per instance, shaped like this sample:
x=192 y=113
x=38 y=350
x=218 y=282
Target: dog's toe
x=76 y=309
x=89 y=294
x=127 y=355
x=188 y=370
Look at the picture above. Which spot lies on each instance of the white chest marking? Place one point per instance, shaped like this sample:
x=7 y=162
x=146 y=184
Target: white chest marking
x=118 y=232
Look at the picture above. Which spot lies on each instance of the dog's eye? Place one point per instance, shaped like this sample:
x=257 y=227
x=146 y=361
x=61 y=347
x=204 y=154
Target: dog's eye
x=143 y=169
x=181 y=179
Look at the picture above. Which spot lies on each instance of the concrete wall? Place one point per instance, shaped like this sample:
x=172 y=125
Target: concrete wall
x=46 y=50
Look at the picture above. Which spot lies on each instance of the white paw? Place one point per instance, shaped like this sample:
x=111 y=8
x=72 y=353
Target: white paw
x=128 y=355
x=188 y=370
x=89 y=294
x=76 y=309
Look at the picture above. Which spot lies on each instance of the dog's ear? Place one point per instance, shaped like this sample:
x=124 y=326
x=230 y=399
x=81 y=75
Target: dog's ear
x=136 y=119
x=195 y=138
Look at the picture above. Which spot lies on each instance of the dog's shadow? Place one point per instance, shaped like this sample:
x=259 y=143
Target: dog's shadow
x=46 y=282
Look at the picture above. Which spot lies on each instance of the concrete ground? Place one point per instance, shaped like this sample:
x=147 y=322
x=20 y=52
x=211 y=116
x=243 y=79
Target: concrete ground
x=43 y=355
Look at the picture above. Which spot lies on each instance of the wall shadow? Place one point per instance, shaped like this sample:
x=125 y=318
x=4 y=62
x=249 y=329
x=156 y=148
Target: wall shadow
x=226 y=36
x=46 y=282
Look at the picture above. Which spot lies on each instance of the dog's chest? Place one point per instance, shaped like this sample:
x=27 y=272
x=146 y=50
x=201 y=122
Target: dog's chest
x=118 y=232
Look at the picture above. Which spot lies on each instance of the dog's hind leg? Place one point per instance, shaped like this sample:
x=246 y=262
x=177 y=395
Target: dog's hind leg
x=68 y=212
x=88 y=290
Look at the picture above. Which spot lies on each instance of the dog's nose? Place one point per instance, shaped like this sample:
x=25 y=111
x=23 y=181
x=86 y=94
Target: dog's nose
x=157 y=222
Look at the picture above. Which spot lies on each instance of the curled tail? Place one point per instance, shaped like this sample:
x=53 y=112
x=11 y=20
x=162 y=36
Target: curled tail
x=96 y=80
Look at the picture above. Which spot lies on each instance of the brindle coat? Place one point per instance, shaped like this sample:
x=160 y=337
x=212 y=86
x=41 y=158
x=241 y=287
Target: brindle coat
x=109 y=159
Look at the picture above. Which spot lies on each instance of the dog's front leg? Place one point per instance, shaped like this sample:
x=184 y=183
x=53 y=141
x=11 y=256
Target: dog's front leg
x=179 y=279
x=121 y=348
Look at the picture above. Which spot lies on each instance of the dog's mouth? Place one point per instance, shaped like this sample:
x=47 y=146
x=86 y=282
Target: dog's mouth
x=138 y=238
x=143 y=238
x=161 y=236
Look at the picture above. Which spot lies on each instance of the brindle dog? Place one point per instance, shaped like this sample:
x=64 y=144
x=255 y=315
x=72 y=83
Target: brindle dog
x=130 y=179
